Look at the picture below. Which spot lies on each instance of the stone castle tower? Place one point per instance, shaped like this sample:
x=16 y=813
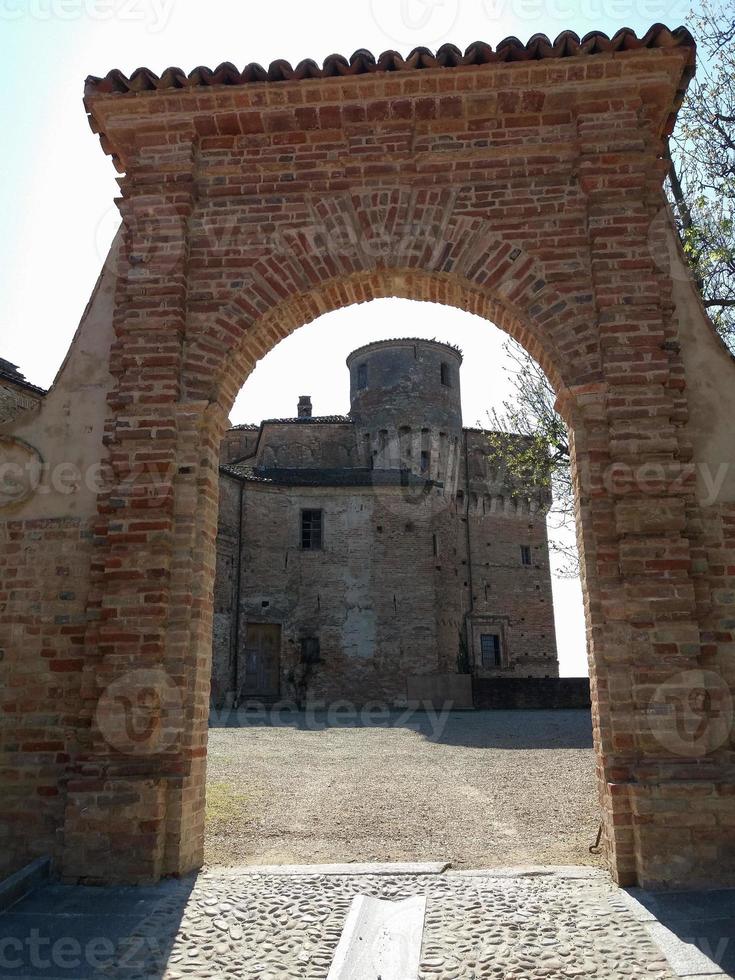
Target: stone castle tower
x=383 y=555
x=406 y=405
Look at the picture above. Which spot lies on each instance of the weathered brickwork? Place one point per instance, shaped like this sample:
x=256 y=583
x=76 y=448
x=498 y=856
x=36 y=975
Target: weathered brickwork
x=523 y=185
x=44 y=570
x=407 y=580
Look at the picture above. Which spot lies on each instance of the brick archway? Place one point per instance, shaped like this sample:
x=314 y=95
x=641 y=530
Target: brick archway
x=523 y=185
x=464 y=265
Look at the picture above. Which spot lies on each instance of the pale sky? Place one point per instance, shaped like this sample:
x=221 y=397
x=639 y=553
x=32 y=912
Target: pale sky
x=57 y=187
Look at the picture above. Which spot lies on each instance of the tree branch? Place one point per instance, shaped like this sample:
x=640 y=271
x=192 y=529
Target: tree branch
x=678 y=192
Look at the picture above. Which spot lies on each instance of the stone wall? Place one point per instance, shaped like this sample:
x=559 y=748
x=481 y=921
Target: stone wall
x=368 y=595
x=542 y=693
x=306 y=445
x=226 y=582
x=406 y=407
x=510 y=597
x=431 y=570
x=16 y=399
x=239 y=443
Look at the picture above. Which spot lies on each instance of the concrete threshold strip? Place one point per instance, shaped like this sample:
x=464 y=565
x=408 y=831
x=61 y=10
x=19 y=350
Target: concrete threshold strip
x=309 y=870
x=381 y=940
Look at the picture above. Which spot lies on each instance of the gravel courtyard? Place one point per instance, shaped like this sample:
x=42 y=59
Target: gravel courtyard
x=480 y=789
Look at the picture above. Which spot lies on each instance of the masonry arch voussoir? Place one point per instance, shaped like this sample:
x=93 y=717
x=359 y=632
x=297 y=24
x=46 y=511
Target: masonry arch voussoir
x=308 y=276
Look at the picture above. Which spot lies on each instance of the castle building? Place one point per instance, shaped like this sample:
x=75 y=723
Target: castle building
x=387 y=555
x=16 y=393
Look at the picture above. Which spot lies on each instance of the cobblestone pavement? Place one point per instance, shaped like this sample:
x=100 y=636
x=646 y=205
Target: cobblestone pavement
x=286 y=923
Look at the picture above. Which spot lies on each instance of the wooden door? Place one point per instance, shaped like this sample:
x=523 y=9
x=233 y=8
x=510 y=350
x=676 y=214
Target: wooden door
x=262 y=660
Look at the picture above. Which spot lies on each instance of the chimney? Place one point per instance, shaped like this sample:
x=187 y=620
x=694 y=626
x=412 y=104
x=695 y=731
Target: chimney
x=304 y=408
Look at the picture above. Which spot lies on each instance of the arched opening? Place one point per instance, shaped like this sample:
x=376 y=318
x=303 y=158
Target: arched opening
x=406 y=602
x=444 y=193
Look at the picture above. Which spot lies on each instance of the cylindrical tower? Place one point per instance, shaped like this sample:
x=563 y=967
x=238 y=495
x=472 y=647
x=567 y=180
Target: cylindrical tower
x=405 y=402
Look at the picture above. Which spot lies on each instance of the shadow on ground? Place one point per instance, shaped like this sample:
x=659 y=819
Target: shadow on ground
x=569 y=729
x=696 y=930
x=555 y=729
x=89 y=933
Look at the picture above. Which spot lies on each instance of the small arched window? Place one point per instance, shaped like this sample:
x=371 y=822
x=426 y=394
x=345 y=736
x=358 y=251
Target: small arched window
x=362 y=380
x=446 y=377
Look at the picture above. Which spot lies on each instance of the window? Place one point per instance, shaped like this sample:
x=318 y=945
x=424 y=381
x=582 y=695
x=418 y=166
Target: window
x=362 y=376
x=525 y=554
x=446 y=376
x=424 y=462
x=311 y=530
x=490 y=650
x=310 y=650
x=404 y=435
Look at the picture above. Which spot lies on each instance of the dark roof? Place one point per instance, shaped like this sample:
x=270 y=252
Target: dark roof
x=362 y=62
x=326 y=477
x=312 y=420
x=376 y=344
x=11 y=373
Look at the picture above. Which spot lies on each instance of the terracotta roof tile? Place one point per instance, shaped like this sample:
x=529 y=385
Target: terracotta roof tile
x=567 y=45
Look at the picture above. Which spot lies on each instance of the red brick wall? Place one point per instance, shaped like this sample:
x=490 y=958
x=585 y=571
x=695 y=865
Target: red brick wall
x=527 y=192
x=44 y=571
